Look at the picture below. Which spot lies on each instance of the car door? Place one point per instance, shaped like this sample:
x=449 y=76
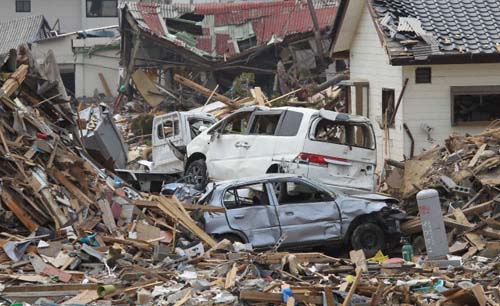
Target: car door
x=340 y=150
x=250 y=210
x=258 y=146
x=306 y=213
x=167 y=128
x=224 y=154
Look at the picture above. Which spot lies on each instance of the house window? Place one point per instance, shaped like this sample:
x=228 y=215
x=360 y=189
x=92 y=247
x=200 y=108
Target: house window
x=475 y=104
x=23 y=6
x=423 y=75
x=387 y=106
x=102 y=8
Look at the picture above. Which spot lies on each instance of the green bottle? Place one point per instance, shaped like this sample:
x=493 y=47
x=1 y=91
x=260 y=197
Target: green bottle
x=407 y=250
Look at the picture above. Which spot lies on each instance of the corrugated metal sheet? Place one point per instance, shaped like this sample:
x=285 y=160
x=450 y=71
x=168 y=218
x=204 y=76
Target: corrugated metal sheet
x=221 y=44
x=298 y=21
x=204 y=43
x=239 y=13
x=21 y=30
x=150 y=15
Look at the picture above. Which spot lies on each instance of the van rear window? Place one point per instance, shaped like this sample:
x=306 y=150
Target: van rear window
x=345 y=133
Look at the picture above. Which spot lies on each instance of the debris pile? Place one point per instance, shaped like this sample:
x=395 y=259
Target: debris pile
x=466 y=172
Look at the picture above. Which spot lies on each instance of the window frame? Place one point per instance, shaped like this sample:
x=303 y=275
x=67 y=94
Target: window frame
x=266 y=113
x=423 y=70
x=160 y=127
x=480 y=91
x=367 y=125
x=329 y=197
x=100 y=16
x=220 y=128
x=232 y=188
x=21 y=6
x=389 y=115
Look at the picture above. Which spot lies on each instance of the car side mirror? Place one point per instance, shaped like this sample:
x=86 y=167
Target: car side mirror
x=203 y=128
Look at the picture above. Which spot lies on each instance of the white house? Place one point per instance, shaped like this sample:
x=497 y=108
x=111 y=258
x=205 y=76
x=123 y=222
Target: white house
x=88 y=60
x=64 y=15
x=447 y=50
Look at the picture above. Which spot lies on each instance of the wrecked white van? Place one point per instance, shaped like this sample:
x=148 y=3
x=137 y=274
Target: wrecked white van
x=335 y=148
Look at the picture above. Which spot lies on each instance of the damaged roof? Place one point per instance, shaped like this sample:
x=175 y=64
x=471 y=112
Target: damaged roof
x=430 y=31
x=22 y=30
x=424 y=28
x=225 y=24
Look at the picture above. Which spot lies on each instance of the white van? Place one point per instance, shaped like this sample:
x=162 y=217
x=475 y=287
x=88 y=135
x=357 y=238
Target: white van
x=335 y=148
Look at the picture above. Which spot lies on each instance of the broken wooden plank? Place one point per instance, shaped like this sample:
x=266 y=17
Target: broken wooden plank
x=72 y=188
x=178 y=214
x=107 y=215
x=18 y=211
x=105 y=85
x=354 y=285
x=231 y=277
x=476 y=157
x=267 y=297
x=203 y=90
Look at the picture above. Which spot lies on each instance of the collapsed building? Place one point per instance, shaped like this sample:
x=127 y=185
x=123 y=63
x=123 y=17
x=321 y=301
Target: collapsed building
x=273 y=43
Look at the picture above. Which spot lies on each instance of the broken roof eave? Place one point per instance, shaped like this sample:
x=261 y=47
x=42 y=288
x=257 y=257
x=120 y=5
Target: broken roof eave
x=443 y=59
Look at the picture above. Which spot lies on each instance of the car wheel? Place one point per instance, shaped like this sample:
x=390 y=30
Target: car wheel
x=369 y=237
x=196 y=174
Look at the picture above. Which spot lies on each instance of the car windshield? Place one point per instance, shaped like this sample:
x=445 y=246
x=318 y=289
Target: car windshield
x=196 y=124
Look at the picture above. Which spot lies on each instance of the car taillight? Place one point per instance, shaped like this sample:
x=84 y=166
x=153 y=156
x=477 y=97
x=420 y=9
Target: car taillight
x=312 y=158
x=318 y=159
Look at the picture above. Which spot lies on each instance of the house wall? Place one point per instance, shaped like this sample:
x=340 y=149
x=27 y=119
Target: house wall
x=87 y=71
x=69 y=53
x=430 y=104
x=369 y=61
x=71 y=14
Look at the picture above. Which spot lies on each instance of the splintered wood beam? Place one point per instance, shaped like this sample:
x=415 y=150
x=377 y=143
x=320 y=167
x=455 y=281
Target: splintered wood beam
x=17 y=210
x=72 y=188
x=203 y=90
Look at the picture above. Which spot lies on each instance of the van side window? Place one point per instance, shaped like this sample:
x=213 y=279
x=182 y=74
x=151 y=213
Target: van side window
x=237 y=124
x=246 y=196
x=265 y=124
x=290 y=124
x=297 y=193
x=168 y=128
x=344 y=133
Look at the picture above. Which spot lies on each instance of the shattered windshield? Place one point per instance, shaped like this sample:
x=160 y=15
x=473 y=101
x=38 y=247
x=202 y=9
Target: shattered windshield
x=196 y=124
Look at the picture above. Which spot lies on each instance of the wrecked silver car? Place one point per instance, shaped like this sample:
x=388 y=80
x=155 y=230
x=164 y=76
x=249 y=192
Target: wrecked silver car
x=301 y=212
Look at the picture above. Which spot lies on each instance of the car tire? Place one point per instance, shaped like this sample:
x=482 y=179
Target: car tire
x=196 y=174
x=369 y=237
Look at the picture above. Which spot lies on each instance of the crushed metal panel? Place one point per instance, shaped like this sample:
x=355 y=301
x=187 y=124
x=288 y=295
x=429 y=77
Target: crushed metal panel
x=102 y=139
